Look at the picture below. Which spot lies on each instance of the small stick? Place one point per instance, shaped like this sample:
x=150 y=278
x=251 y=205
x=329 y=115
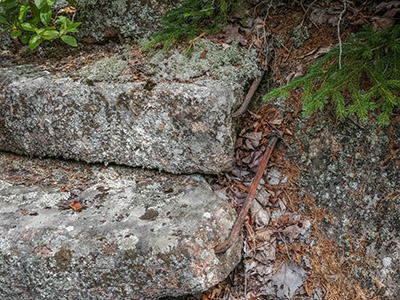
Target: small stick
x=193 y=41
x=250 y=196
x=250 y=93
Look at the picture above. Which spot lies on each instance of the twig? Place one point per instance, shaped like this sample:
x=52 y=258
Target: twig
x=289 y=53
x=284 y=242
x=192 y=43
x=242 y=109
x=306 y=12
x=338 y=32
x=250 y=196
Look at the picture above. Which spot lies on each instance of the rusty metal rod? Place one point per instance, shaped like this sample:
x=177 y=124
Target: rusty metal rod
x=221 y=248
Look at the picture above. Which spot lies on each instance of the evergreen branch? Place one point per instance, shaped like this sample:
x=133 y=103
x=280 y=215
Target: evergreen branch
x=339 y=104
x=192 y=18
x=371 y=53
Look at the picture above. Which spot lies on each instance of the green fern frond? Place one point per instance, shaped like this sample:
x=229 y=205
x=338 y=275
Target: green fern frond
x=375 y=54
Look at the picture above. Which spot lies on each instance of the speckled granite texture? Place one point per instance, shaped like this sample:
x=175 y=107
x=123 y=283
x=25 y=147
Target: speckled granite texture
x=174 y=127
x=143 y=234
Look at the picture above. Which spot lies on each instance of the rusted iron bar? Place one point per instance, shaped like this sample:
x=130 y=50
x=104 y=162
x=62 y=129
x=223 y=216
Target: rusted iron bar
x=242 y=109
x=221 y=248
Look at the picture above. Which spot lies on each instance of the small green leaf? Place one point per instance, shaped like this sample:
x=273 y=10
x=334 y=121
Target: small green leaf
x=34 y=41
x=70 y=28
x=41 y=30
x=70 y=40
x=10 y=5
x=75 y=25
x=28 y=27
x=35 y=20
x=39 y=3
x=25 y=37
x=35 y=10
x=49 y=34
x=16 y=33
x=62 y=20
x=7 y=28
x=2 y=20
x=45 y=14
x=23 y=11
x=384 y=119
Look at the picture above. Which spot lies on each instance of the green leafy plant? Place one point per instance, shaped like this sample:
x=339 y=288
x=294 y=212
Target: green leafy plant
x=193 y=18
x=364 y=77
x=32 y=22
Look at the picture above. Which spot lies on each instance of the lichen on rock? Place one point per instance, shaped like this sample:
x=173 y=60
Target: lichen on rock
x=143 y=234
x=231 y=64
x=129 y=18
x=300 y=36
x=107 y=69
x=352 y=173
x=176 y=127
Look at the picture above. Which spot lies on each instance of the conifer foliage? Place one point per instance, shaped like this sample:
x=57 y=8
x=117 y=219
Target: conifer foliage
x=368 y=77
x=193 y=18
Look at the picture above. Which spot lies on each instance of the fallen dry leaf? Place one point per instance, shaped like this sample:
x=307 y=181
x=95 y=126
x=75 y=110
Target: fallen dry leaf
x=260 y=215
x=77 y=206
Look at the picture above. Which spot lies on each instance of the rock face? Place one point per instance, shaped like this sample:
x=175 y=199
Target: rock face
x=353 y=173
x=143 y=235
x=73 y=231
x=5 y=41
x=103 y=20
x=175 y=127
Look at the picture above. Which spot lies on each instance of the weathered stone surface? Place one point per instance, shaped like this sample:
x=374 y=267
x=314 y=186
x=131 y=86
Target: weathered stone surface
x=143 y=234
x=233 y=64
x=353 y=173
x=176 y=127
x=5 y=41
x=102 y=19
